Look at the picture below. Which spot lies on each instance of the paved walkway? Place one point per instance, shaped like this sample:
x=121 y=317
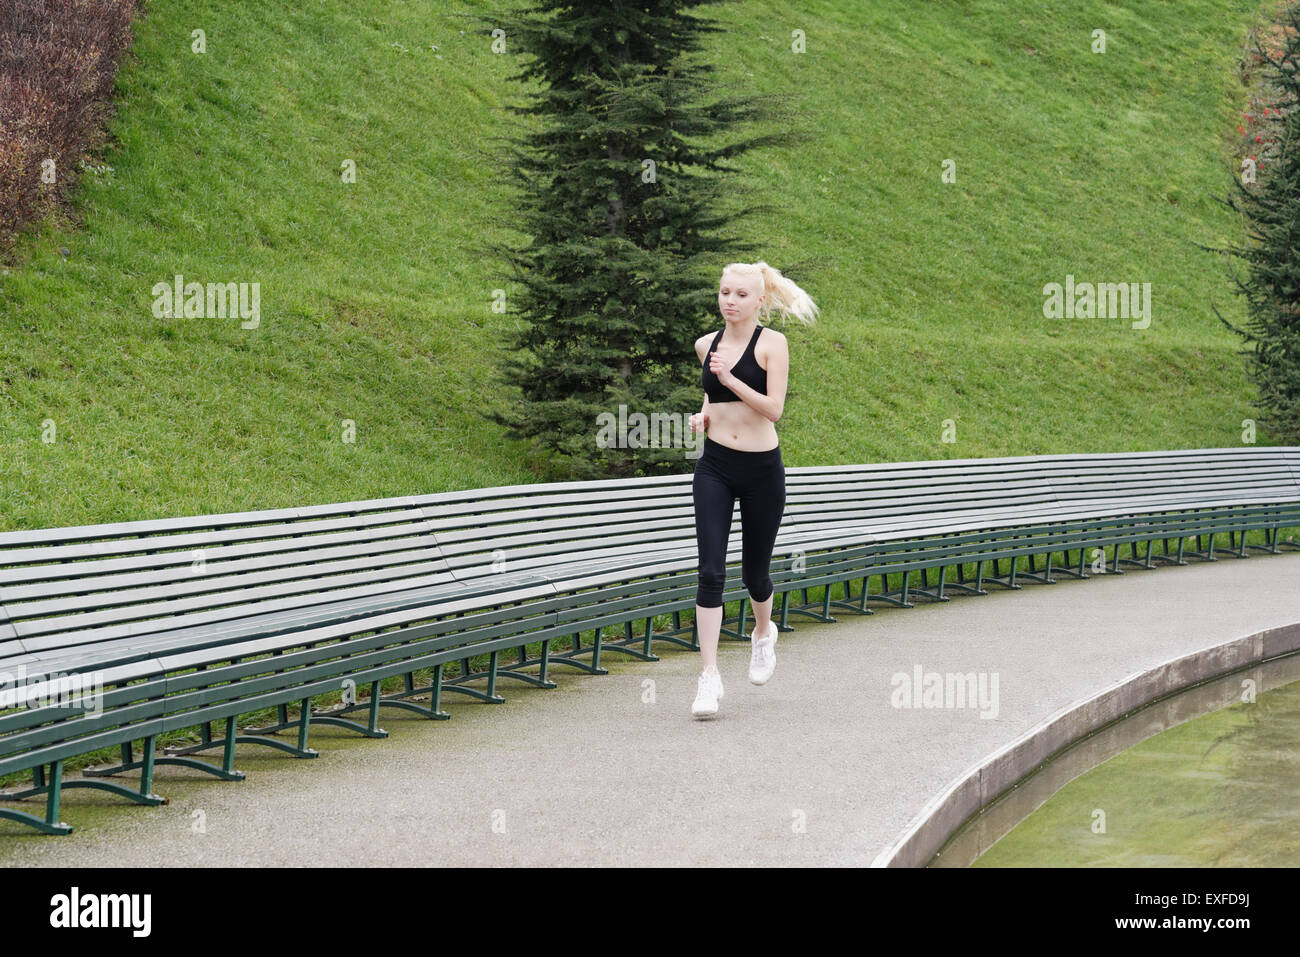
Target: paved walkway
x=815 y=768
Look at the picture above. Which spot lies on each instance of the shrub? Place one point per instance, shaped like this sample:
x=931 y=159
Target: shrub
x=58 y=60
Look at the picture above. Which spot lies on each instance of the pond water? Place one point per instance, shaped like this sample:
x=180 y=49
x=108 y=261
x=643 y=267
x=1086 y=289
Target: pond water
x=1205 y=778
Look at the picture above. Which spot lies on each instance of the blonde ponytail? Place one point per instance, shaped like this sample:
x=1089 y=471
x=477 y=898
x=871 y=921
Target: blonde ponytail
x=779 y=292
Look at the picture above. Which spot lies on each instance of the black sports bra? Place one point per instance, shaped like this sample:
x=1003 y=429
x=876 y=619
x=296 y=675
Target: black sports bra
x=746 y=369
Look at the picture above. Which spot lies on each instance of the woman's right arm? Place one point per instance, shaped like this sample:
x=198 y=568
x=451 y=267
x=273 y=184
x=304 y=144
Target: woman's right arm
x=700 y=421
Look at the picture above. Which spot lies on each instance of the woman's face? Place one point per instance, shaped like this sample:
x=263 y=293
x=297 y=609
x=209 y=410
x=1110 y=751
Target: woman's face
x=739 y=297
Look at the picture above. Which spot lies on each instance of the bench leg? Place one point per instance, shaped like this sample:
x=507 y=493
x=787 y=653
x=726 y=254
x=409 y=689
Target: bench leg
x=1270 y=539
x=1164 y=555
x=860 y=606
x=1144 y=562
x=1045 y=576
x=128 y=762
x=1065 y=569
x=142 y=795
x=1241 y=551
x=805 y=608
x=963 y=585
x=227 y=770
x=625 y=644
x=1107 y=567
x=370 y=729
x=570 y=657
x=897 y=597
x=53 y=791
x=934 y=593
x=303 y=724
x=675 y=635
x=542 y=661
x=1202 y=552
x=1006 y=581
x=434 y=691
x=466 y=674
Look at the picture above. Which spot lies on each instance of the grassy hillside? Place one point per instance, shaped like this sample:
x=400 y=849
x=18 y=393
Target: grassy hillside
x=227 y=169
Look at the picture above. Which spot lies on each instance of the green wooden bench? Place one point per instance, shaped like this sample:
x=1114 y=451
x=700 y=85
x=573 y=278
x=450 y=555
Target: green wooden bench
x=193 y=622
x=923 y=517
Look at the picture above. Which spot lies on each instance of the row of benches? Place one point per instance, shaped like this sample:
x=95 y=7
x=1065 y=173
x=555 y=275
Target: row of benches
x=193 y=622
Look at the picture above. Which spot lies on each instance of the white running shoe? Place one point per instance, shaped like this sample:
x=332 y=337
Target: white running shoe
x=762 y=655
x=708 y=695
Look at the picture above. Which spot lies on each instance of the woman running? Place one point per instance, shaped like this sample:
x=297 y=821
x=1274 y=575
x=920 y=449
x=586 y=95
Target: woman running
x=745 y=370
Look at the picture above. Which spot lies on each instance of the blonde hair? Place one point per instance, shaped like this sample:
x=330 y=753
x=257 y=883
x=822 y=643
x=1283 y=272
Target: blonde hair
x=779 y=292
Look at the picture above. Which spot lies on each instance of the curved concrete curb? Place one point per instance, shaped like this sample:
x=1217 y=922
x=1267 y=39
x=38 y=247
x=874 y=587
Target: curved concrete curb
x=984 y=782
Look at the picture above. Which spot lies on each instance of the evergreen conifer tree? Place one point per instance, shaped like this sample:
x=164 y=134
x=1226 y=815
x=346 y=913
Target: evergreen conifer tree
x=1270 y=207
x=619 y=185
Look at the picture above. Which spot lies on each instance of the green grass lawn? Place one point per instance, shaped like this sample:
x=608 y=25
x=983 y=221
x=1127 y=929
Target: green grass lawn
x=374 y=310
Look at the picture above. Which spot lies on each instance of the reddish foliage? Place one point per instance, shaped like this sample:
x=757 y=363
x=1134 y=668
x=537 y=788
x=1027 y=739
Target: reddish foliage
x=58 y=59
x=1264 y=118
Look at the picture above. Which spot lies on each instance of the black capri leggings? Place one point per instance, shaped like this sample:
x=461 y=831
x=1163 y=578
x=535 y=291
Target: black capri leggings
x=758 y=478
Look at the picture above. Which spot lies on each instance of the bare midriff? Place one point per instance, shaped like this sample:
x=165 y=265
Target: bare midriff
x=738 y=425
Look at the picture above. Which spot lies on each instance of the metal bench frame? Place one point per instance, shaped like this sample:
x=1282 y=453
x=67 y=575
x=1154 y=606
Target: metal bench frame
x=193 y=622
